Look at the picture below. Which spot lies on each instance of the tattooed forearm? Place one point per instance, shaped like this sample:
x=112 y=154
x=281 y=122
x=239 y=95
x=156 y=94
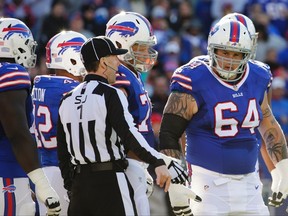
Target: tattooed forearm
x=178 y=104
x=275 y=144
x=175 y=154
x=267 y=113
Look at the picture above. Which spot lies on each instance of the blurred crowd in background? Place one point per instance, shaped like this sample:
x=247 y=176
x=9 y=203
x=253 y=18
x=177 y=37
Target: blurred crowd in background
x=181 y=27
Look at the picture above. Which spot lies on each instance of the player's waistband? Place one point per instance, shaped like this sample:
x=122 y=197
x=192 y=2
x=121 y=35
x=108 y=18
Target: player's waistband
x=209 y=172
x=117 y=166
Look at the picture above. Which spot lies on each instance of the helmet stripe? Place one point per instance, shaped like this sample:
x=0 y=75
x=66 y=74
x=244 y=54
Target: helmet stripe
x=70 y=44
x=15 y=29
x=234 y=32
x=121 y=28
x=241 y=19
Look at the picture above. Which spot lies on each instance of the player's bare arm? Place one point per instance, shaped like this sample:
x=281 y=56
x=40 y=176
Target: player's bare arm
x=184 y=106
x=16 y=128
x=272 y=134
x=277 y=149
x=181 y=104
x=268 y=162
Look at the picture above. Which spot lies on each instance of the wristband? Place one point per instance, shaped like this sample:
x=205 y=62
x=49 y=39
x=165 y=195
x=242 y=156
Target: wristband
x=282 y=168
x=37 y=175
x=275 y=179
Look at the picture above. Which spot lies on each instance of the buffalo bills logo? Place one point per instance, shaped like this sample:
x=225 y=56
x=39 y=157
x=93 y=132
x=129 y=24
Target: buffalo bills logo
x=125 y=29
x=214 y=30
x=9 y=189
x=37 y=79
x=74 y=43
x=16 y=29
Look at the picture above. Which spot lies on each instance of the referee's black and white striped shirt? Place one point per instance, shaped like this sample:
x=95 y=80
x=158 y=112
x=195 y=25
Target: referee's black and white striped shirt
x=94 y=123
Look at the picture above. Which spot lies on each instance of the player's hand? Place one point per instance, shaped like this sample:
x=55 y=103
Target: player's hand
x=45 y=192
x=149 y=183
x=163 y=177
x=178 y=174
x=280 y=185
x=180 y=196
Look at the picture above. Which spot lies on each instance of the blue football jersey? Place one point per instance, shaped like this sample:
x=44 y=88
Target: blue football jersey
x=221 y=136
x=47 y=93
x=13 y=77
x=139 y=101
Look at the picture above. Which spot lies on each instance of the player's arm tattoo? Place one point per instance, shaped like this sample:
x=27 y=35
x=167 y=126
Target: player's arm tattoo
x=180 y=104
x=276 y=148
x=274 y=139
x=267 y=113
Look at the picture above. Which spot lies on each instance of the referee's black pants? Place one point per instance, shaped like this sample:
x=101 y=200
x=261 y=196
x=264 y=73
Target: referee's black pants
x=101 y=193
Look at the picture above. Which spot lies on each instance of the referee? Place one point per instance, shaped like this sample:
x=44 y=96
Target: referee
x=93 y=128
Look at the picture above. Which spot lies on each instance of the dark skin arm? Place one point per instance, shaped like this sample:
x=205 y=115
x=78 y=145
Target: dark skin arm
x=14 y=122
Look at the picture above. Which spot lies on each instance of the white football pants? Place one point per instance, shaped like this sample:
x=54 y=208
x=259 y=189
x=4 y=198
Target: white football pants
x=15 y=198
x=224 y=195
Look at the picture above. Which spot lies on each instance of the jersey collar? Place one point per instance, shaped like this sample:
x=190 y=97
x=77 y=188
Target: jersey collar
x=90 y=77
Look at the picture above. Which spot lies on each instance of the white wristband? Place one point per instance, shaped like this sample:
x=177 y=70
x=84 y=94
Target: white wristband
x=275 y=179
x=42 y=185
x=37 y=175
x=282 y=168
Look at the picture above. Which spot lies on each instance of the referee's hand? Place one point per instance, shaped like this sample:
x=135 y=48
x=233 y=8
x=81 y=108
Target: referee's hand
x=163 y=177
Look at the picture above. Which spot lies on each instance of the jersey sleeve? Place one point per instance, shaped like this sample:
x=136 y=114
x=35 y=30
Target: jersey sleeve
x=121 y=81
x=13 y=77
x=263 y=73
x=186 y=80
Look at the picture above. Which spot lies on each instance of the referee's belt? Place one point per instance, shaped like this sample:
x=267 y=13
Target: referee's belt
x=117 y=166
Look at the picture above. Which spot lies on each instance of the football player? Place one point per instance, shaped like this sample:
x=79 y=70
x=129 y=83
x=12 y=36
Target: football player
x=132 y=31
x=63 y=58
x=18 y=154
x=220 y=123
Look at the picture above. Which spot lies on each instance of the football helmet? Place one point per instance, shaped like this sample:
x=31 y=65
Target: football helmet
x=16 y=41
x=232 y=36
x=128 y=28
x=249 y=25
x=63 y=52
